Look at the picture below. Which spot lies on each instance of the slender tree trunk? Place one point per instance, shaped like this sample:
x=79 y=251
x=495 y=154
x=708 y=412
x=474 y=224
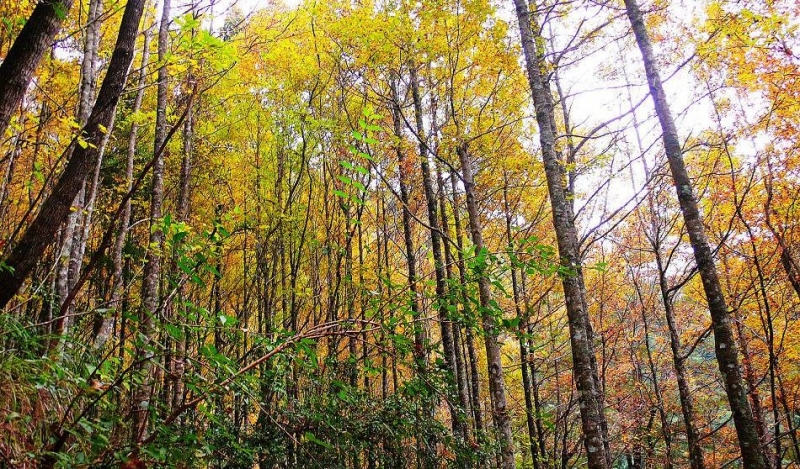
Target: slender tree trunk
x=11 y=164
x=475 y=387
x=581 y=334
x=662 y=413
x=117 y=287
x=497 y=387
x=442 y=301
x=67 y=261
x=460 y=368
x=725 y=345
x=152 y=268
x=420 y=354
x=420 y=339
x=678 y=361
x=752 y=387
x=530 y=415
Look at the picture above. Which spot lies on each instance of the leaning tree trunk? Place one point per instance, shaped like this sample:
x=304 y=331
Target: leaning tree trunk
x=56 y=207
x=593 y=421
x=725 y=344
x=19 y=64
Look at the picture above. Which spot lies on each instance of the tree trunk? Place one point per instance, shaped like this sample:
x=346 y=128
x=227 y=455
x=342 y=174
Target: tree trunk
x=428 y=453
x=725 y=344
x=56 y=207
x=475 y=387
x=28 y=49
x=420 y=354
x=117 y=287
x=497 y=387
x=678 y=361
x=152 y=268
x=581 y=334
x=442 y=302
x=530 y=414
x=460 y=368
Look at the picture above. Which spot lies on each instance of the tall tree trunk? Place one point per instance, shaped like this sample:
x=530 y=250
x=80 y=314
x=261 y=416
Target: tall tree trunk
x=581 y=334
x=475 y=387
x=530 y=415
x=460 y=368
x=25 y=54
x=497 y=386
x=678 y=361
x=152 y=269
x=117 y=287
x=420 y=354
x=662 y=413
x=428 y=453
x=67 y=262
x=56 y=207
x=442 y=301
x=725 y=344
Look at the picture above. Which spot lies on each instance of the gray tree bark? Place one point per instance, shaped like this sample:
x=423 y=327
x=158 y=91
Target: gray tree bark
x=593 y=421
x=442 y=302
x=725 y=343
x=152 y=268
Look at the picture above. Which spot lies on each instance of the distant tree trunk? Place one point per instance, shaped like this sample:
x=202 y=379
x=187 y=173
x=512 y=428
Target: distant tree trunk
x=176 y=365
x=103 y=330
x=530 y=414
x=152 y=267
x=67 y=262
x=56 y=207
x=428 y=454
x=79 y=220
x=11 y=164
x=420 y=354
x=581 y=334
x=497 y=386
x=28 y=49
x=529 y=368
x=442 y=301
x=475 y=387
x=662 y=413
x=725 y=346
x=460 y=369
x=752 y=381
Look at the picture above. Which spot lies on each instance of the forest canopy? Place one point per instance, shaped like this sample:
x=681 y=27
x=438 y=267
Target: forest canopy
x=390 y=234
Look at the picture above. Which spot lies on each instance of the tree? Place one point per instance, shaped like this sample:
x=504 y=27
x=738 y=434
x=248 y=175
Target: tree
x=83 y=154
x=581 y=334
x=20 y=63
x=725 y=345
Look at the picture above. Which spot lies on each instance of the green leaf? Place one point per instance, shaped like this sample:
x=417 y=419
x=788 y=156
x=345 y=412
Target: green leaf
x=60 y=10
x=312 y=438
